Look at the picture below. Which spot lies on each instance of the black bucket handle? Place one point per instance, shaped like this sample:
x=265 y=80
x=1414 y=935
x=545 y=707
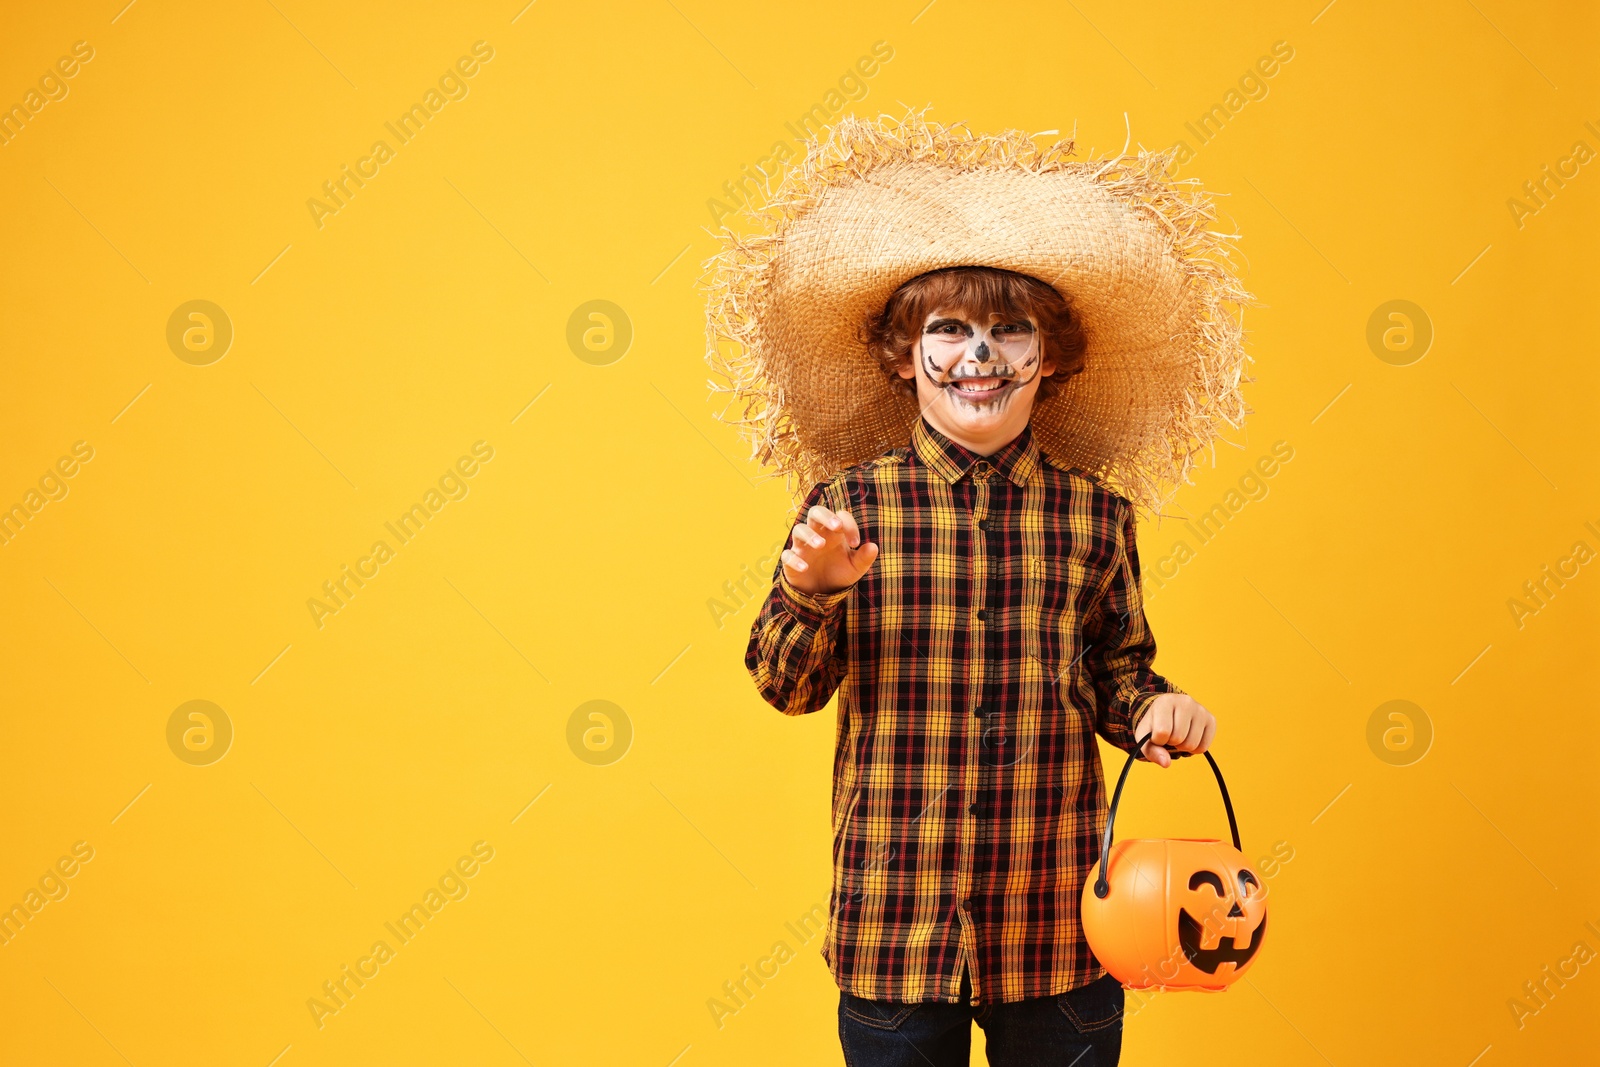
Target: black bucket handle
x=1102 y=887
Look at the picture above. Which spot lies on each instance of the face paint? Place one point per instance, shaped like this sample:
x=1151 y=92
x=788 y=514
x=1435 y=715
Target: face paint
x=1006 y=352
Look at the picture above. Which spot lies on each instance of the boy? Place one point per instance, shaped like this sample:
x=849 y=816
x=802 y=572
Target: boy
x=973 y=601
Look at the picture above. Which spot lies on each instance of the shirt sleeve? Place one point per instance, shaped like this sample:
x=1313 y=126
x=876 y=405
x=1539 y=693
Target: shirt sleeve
x=1120 y=647
x=797 y=643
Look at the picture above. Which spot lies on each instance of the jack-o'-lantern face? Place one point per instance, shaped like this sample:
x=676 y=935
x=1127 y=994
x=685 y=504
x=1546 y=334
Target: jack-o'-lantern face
x=1222 y=919
x=1178 y=913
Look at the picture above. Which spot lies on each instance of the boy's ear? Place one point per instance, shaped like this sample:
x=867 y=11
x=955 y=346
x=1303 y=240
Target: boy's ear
x=907 y=367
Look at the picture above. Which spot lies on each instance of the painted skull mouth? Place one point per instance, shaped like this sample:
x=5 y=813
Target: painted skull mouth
x=981 y=386
x=1209 y=959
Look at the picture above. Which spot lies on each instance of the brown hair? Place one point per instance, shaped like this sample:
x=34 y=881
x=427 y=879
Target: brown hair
x=978 y=292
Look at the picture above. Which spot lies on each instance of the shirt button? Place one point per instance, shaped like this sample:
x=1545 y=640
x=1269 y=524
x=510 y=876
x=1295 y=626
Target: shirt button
x=979 y=712
x=983 y=524
x=983 y=616
x=972 y=809
x=966 y=905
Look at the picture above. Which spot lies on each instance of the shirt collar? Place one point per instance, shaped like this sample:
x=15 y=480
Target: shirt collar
x=1017 y=460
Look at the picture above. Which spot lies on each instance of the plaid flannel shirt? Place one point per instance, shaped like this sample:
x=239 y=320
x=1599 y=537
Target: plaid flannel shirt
x=998 y=631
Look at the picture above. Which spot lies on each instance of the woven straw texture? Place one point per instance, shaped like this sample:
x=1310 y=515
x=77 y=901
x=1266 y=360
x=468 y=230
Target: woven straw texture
x=1138 y=255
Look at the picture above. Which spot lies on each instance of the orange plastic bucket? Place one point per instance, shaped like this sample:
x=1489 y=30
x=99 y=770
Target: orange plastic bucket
x=1174 y=913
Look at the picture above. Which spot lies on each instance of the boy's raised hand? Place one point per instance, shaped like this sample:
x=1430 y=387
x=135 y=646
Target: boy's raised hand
x=1177 y=722
x=825 y=554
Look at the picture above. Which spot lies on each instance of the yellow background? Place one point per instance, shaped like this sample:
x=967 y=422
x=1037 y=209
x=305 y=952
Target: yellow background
x=370 y=353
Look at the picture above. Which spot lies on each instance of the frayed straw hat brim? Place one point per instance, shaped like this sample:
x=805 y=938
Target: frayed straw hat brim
x=1135 y=253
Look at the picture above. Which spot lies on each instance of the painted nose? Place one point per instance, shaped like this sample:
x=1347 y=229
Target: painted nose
x=983 y=352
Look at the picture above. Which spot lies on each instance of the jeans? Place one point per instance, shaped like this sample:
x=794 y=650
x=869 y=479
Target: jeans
x=1079 y=1028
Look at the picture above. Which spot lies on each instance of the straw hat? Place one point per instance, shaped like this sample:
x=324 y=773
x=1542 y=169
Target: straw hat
x=1136 y=253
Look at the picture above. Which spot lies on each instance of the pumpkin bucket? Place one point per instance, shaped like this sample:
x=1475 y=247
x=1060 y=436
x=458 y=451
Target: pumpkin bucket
x=1174 y=913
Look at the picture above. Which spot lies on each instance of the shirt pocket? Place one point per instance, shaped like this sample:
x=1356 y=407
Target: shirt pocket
x=1051 y=628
